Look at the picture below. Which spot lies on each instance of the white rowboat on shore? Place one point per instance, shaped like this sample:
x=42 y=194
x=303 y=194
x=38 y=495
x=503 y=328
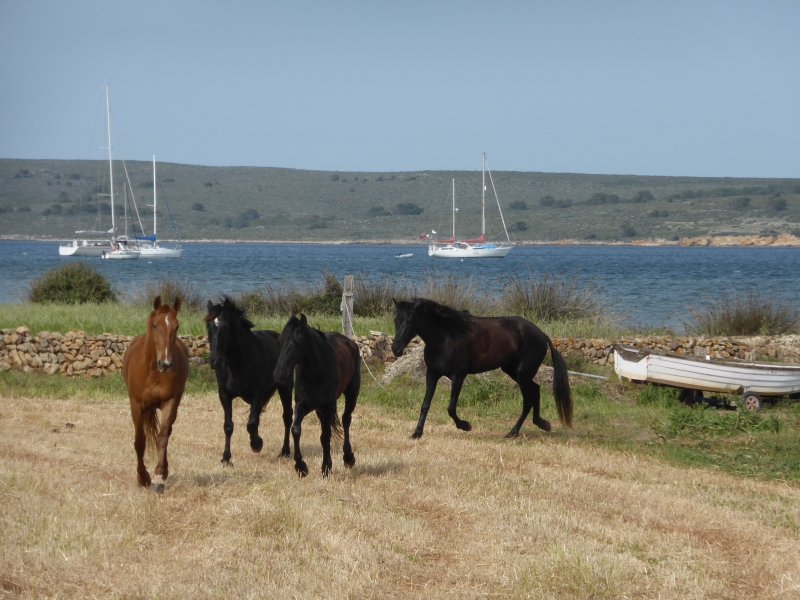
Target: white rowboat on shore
x=751 y=379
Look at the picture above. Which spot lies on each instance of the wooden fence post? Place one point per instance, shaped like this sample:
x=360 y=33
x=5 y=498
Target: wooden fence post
x=347 y=307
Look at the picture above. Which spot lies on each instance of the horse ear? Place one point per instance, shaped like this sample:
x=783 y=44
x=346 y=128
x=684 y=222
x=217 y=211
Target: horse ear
x=303 y=319
x=209 y=306
x=418 y=303
x=176 y=306
x=394 y=301
x=157 y=303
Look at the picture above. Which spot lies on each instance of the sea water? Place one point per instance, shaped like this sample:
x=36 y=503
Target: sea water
x=654 y=284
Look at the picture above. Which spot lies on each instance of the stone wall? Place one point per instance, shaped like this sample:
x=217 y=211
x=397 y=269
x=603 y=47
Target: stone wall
x=76 y=353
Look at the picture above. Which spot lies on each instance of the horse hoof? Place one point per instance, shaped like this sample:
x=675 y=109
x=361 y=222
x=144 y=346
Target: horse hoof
x=301 y=468
x=158 y=488
x=512 y=434
x=226 y=462
x=144 y=483
x=350 y=460
x=464 y=426
x=284 y=454
x=545 y=425
x=416 y=435
x=256 y=445
x=326 y=470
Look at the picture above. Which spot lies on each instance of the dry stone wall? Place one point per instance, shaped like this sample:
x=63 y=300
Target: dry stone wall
x=77 y=354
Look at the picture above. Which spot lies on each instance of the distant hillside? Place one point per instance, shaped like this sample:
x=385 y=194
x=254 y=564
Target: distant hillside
x=53 y=198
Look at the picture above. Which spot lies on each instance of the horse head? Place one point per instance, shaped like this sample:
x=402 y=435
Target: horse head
x=293 y=340
x=163 y=326
x=405 y=325
x=224 y=321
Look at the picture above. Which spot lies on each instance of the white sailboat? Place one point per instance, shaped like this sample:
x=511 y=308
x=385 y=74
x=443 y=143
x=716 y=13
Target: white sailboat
x=103 y=244
x=473 y=248
x=120 y=250
x=152 y=249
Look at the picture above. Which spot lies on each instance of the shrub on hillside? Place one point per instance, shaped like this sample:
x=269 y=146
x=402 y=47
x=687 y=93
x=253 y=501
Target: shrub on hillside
x=739 y=203
x=71 y=283
x=778 y=204
x=519 y=205
x=744 y=313
x=547 y=201
x=198 y=207
x=408 y=208
x=378 y=211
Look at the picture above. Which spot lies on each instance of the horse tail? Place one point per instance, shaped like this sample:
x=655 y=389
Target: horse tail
x=336 y=427
x=152 y=426
x=561 y=390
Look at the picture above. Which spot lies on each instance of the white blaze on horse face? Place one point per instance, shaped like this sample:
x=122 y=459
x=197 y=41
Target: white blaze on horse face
x=216 y=321
x=166 y=341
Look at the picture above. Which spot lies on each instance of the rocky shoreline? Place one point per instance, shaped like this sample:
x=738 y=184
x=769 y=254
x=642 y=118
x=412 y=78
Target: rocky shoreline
x=75 y=354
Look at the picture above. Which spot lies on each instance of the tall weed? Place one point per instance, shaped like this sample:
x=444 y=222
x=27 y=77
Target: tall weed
x=191 y=295
x=554 y=298
x=743 y=313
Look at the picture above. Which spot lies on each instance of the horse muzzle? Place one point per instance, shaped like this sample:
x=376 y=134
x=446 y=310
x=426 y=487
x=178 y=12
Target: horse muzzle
x=397 y=349
x=280 y=374
x=163 y=366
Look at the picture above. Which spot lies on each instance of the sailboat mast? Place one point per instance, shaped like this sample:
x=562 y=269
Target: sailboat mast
x=125 y=189
x=454 y=209
x=110 y=167
x=154 y=197
x=483 y=197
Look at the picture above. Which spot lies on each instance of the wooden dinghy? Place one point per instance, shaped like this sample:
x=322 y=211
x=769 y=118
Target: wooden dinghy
x=749 y=378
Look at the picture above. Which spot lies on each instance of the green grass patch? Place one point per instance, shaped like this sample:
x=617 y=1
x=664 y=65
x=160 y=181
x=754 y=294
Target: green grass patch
x=14 y=384
x=646 y=420
x=124 y=319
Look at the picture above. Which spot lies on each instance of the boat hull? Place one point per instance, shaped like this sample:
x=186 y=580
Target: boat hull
x=159 y=252
x=713 y=375
x=121 y=255
x=463 y=250
x=84 y=249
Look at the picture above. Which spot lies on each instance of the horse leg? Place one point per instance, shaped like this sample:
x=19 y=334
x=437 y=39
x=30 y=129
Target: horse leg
x=326 y=417
x=227 y=407
x=301 y=409
x=350 y=398
x=169 y=412
x=527 y=390
x=139 y=443
x=535 y=396
x=455 y=390
x=431 y=379
x=256 y=406
x=285 y=393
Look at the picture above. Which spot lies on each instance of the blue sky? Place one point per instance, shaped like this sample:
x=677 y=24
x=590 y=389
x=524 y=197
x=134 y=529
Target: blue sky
x=669 y=88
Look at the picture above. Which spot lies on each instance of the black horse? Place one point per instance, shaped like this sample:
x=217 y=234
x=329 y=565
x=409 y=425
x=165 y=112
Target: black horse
x=243 y=361
x=457 y=344
x=328 y=365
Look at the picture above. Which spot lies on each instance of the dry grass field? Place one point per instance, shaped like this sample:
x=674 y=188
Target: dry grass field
x=456 y=515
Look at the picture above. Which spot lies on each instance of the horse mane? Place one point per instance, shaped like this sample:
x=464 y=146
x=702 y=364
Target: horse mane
x=452 y=321
x=229 y=305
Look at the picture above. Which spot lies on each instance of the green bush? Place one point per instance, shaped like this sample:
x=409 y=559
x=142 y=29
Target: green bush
x=552 y=298
x=408 y=208
x=71 y=283
x=744 y=313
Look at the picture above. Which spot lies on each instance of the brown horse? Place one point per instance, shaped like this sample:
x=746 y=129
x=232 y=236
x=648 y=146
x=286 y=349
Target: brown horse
x=155 y=368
